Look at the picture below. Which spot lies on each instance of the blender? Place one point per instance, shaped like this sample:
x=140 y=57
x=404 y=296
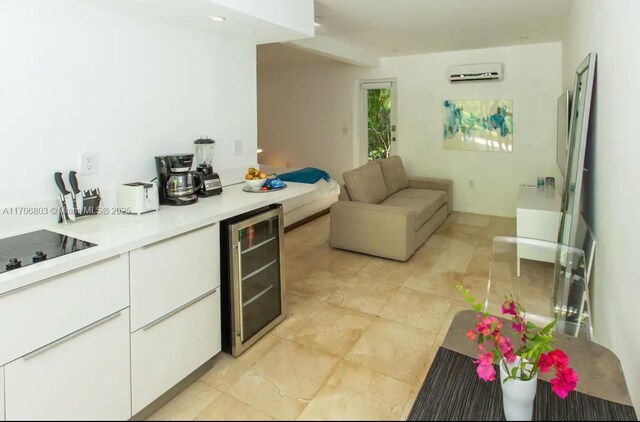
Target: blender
x=209 y=180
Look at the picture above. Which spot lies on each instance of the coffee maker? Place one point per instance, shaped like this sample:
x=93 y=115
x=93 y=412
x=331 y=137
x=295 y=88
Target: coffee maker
x=176 y=180
x=209 y=180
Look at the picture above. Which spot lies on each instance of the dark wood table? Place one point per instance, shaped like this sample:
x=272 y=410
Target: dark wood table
x=453 y=391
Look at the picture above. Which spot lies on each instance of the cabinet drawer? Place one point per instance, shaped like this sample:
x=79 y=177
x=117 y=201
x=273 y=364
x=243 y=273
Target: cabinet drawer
x=163 y=353
x=48 y=310
x=172 y=272
x=536 y=224
x=85 y=376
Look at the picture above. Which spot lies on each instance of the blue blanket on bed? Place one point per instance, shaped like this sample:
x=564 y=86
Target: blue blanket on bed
x=305 y=175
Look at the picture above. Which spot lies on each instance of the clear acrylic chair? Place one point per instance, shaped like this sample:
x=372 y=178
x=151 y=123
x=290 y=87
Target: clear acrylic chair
x=548 y=279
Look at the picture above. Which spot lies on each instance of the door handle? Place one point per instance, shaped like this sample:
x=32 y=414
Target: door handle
x=240 y=295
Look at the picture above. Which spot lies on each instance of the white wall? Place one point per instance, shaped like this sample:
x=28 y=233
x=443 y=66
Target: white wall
x=611 y=30
x=294 y=14
x=80 y=78
x=303 y=110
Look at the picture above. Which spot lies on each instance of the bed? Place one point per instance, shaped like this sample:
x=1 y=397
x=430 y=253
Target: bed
x=303 y=208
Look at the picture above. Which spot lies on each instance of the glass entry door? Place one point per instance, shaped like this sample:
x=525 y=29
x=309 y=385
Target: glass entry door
x=258 y=283
x=378 y=125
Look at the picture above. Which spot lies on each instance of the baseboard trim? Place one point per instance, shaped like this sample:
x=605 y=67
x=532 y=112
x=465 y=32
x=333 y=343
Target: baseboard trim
x=172 y=392
x=306 y=220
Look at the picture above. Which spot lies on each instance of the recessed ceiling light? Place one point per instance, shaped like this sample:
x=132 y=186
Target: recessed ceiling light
x=316 y=24
x=217 y=18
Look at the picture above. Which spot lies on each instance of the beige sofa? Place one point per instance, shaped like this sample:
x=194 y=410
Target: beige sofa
x=384 y=213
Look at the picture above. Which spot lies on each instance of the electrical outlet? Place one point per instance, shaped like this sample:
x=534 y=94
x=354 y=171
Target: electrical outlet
x=88 y=163
x=472 y=184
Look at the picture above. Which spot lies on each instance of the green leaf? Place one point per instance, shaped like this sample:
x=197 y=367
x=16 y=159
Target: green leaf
x=477 y=307
x=514 y=372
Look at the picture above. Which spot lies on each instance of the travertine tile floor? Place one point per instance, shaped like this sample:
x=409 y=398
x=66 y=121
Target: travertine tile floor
x=360 y=335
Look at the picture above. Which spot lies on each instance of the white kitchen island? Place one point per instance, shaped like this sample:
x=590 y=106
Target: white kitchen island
x=109 y=331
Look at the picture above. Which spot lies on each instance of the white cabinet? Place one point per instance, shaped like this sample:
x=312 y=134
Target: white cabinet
x=2 y=393
x=166 y=351
x=170 y=273
x=538 y=217
x=83 y=376
x=52 y=308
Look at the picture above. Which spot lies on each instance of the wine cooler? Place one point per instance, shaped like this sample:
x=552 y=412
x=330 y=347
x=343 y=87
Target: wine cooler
x=252 y=282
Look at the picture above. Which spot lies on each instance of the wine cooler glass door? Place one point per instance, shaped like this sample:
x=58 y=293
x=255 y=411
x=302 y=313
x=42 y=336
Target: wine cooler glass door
x=258 y=281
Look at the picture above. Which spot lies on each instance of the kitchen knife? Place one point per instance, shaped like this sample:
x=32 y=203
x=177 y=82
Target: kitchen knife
x=79 y=197
x=68 y=200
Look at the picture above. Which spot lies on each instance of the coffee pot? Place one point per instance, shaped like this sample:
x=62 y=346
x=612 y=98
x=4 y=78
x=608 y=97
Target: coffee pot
x=176 y=180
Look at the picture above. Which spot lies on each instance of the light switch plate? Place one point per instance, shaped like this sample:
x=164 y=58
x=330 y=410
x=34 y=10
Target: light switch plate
x=237 y=147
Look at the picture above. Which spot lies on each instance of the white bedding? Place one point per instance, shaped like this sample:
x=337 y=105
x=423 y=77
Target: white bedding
x=303 y=206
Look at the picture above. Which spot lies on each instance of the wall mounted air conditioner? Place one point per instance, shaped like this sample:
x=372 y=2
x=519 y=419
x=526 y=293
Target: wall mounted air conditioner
x=476 y=72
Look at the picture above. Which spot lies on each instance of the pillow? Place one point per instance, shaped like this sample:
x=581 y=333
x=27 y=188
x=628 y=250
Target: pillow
x=395 y=177
x=366 y=183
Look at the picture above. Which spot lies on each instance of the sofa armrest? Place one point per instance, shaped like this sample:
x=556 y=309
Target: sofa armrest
x=373 y=229
x=344 y=194
x=434 y=184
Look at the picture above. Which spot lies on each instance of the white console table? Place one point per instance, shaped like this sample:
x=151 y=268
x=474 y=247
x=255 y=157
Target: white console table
x=537 y=217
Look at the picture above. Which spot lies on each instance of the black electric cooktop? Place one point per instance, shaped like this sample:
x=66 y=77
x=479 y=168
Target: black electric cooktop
x=31 y=248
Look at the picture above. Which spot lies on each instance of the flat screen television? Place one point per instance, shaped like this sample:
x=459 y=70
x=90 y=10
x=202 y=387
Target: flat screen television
x=562 y=139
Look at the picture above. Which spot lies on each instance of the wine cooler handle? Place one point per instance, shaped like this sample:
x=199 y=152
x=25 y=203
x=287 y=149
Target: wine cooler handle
x=240 y=296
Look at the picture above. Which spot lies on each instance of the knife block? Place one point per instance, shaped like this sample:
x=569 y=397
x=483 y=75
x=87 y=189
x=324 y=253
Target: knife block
x=90 y=206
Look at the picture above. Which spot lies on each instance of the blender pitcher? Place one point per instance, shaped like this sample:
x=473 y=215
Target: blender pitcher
x=209 y=180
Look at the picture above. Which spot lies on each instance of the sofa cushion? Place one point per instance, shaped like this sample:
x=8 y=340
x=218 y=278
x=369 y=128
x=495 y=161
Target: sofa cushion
x=395 y=177
x=423 y=202
x=366 y=183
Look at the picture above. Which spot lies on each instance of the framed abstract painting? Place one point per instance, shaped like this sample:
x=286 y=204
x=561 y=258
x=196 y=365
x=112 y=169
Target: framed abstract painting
x=478 y=125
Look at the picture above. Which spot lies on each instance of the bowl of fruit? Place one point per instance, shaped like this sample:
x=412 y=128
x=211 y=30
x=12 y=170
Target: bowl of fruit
x=255 y=178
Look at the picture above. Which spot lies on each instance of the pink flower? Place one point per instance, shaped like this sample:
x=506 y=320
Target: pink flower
x=484 y=326
x=485 y=368
x=545 y=363
x=486 y=372
x=559 y=358
x=529 y=345
x=504 y=344
x=565 y=381
x=471 y=335
x=510 y=308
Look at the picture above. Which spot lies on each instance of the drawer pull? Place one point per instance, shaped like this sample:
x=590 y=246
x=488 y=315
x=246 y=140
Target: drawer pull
x=68 y=337
x=175 y=311
x=158 y=242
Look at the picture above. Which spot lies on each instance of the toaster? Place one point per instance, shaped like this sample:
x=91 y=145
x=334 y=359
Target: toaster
x=138 y=197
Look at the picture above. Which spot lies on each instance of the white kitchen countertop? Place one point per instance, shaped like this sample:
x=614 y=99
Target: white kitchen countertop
x=117 y=234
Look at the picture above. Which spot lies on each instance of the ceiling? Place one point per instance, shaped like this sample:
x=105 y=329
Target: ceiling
x=405 y=27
